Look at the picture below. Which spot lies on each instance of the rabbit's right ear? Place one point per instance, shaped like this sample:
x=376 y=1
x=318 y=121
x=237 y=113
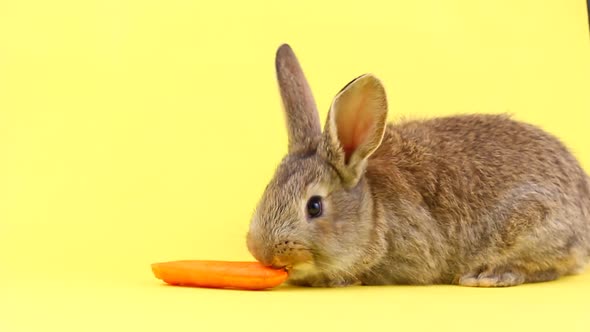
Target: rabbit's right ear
x=355 y=127
x=303 y=124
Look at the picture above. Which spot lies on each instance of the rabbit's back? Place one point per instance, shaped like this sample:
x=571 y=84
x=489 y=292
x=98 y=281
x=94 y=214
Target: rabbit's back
x=489 y=191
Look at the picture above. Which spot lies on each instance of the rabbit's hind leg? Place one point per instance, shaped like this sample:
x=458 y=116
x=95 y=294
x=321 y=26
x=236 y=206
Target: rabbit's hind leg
x=497 y=277
x=504 y=277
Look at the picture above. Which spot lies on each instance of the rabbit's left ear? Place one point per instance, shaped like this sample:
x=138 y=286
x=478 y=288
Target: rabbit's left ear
x=355 y=126
x=303 y=124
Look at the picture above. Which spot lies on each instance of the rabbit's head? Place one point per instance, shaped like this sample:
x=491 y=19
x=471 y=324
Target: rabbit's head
x=317 y=215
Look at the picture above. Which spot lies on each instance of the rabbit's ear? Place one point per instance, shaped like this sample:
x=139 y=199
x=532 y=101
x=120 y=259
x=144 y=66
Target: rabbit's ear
x=355 y=126
x=303 y=124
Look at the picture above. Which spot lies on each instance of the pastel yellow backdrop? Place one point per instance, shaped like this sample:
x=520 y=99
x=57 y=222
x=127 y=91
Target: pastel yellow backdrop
x=141 y=131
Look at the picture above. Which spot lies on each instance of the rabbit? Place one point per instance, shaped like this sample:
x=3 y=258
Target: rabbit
x=472 y=200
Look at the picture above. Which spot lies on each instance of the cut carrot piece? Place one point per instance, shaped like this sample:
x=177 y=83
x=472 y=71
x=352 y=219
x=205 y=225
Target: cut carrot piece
x=219 y=274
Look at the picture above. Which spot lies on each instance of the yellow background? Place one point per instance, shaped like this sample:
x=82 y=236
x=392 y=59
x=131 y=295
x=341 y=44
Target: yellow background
x=140 y=131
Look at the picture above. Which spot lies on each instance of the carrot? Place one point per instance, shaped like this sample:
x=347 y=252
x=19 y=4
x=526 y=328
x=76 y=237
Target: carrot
x=219 y=274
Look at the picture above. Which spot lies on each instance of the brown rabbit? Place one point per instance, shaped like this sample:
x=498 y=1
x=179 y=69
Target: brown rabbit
x=474 y=200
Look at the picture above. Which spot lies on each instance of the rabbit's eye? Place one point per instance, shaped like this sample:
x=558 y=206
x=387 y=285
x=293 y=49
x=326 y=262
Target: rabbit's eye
x=314 y=207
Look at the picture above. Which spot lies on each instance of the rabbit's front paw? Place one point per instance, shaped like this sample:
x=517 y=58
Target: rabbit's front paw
x=325 y=282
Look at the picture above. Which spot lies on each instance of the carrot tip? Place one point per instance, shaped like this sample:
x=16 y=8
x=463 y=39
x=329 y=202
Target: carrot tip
x=219 y=274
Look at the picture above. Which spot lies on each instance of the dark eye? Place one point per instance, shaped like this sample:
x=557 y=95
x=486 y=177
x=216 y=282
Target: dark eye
x=314 y=207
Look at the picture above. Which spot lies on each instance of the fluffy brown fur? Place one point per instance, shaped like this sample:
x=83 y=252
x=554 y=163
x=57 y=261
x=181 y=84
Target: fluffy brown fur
x=475 y=200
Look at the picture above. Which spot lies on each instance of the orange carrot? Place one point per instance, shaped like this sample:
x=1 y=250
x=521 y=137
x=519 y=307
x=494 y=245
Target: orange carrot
x=219 y=274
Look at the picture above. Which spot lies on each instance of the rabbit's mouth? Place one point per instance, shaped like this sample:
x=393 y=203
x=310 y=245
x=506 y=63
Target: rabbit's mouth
x=295 y=262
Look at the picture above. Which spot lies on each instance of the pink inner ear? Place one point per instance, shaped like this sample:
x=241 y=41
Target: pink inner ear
x=354 y=122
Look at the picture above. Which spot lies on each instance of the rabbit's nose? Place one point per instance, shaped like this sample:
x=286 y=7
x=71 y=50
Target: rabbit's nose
x=259 y=252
